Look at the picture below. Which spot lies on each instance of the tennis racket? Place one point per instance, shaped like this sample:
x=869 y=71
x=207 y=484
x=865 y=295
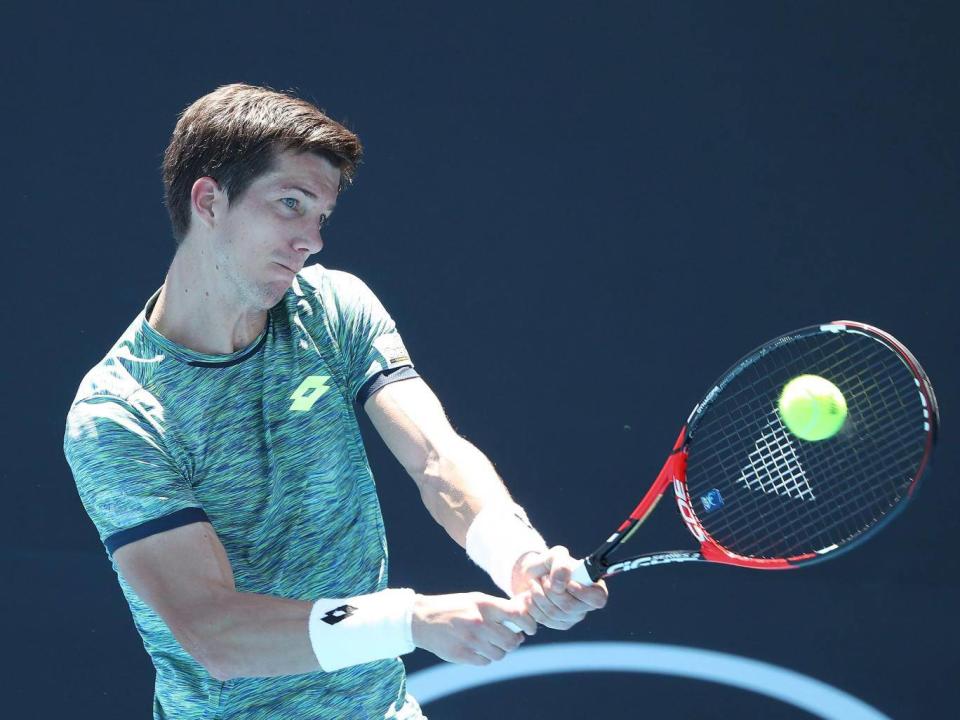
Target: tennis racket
x=755 y=495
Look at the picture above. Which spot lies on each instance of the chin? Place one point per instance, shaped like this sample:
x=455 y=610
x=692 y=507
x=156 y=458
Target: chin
x=268 y=294
x=274 y=293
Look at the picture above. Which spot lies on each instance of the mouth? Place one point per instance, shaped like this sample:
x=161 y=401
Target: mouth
x=288 y=269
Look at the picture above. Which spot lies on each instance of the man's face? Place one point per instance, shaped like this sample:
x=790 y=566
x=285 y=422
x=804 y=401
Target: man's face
x=261 y=241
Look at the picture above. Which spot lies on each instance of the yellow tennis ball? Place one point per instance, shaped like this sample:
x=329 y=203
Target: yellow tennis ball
x=812 y=407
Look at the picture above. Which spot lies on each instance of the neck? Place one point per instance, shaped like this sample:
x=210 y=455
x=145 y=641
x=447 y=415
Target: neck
x=197 y=310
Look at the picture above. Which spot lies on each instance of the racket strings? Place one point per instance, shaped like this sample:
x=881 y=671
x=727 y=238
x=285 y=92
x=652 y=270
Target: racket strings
x=774 y=465
x=781 y=496
x=838 y=519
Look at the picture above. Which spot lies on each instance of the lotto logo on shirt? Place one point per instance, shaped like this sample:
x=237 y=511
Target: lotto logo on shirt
x=308 y=392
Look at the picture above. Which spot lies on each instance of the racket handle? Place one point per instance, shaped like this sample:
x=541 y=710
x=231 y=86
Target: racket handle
x=581 y=574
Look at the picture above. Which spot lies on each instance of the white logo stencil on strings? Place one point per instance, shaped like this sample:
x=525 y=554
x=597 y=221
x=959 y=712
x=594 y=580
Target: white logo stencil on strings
x=774 y=465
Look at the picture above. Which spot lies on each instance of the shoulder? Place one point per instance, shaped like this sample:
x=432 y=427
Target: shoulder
x=117 y=385
x=336 y=292
x=121 y=370
x=316 y=279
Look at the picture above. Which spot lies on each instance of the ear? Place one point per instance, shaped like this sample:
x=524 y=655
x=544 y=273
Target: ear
x=207 y=199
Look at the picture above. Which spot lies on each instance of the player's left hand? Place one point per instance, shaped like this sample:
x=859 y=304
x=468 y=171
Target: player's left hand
x=555 y=599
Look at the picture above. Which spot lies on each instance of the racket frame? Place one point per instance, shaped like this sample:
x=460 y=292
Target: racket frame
x=598 y=565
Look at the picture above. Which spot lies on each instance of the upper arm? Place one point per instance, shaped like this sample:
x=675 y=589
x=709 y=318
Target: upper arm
x=362 y=329
x=182 y=574
x=147 y=515
x=411 y=421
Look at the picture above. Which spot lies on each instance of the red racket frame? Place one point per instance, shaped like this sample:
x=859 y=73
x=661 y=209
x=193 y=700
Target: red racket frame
x=673 y=474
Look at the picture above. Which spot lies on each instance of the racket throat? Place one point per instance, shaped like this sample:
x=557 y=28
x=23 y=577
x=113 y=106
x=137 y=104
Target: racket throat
x=654 y=559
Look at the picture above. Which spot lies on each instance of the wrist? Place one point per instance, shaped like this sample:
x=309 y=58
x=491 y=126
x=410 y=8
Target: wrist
x=418 y=616
x=361 y=629
x=498 y=539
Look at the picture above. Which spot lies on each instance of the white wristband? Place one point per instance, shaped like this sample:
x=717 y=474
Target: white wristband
x=496 y=539
x=361 y=629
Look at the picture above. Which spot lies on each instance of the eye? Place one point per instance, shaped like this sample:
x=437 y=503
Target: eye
x=290 y=202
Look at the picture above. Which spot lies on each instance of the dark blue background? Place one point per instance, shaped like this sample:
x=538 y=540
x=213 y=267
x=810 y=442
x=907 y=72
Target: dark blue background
x=578 y=217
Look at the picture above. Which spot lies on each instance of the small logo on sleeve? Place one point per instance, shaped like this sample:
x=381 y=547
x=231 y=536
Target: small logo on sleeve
x=390 y=346
x=337 y=614
x=309 y=391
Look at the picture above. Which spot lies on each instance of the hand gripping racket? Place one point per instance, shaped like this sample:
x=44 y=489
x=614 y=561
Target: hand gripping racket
x=753 y=494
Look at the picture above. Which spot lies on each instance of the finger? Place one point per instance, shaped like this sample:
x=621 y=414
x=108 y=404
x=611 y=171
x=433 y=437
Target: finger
x=541 y=567
x=595 y=596
x=575 y=619
x=561 y=568
x=505 y=639
x=496 y=631
x=537 y=604
x=514 y=612
x=571 y=605
x=566 y=604
x=468 y=657
x=559 y=610
x=550 y=617
x=544 y=611
x=488 y=650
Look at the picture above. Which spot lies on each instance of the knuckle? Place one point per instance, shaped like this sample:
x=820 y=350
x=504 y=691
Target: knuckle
x=461 y=655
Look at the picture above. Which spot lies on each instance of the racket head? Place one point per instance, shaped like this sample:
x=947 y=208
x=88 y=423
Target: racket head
x=756 y=495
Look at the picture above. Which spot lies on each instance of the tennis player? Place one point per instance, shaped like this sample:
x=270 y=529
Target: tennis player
x=217 y=451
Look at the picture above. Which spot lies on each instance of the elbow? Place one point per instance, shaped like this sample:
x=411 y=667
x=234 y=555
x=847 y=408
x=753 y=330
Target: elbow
x=216 y=660
x=444 y=460
x=207 y=651
x=216 y=664
x=217 y=674
x=429 y=473
x=439 y=475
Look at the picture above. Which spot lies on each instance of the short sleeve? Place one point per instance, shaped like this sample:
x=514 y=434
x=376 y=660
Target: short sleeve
x=128 y=483
x=365 y=332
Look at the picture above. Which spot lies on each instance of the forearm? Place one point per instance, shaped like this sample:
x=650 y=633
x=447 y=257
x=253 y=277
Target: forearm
x=456 y=484
x=250 y=635
x=264 y=636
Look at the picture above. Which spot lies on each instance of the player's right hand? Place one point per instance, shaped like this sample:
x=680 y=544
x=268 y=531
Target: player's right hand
x=468 y=628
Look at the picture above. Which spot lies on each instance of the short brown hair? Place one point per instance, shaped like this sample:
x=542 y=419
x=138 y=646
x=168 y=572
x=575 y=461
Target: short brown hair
x=232 y=135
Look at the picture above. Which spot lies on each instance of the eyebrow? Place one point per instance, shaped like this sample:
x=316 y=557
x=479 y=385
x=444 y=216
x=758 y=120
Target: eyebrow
x=297 y=187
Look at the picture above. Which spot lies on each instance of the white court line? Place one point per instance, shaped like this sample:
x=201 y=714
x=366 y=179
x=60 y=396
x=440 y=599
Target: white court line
x=787 y=686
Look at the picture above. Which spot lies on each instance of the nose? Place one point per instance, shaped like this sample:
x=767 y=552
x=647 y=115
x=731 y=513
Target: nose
x=310 y=244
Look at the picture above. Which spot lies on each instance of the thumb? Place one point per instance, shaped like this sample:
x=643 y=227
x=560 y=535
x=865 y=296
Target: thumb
x=560 y=571
x=515 y=614
x=540 y=567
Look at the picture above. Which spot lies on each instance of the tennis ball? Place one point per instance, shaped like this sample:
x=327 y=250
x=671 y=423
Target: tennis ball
x=812 y=407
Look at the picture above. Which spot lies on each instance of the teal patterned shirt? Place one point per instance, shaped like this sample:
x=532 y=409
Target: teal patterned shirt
x=264 y=444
